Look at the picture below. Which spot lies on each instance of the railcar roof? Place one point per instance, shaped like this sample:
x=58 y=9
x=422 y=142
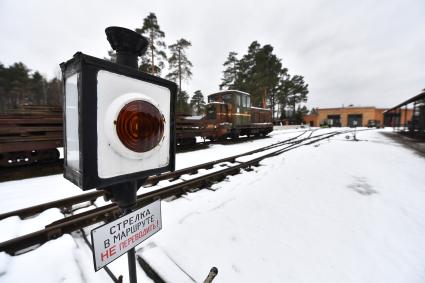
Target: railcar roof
x=231 y=91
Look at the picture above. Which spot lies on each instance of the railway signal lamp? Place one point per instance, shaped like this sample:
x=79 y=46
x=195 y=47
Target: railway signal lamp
x=119 y=122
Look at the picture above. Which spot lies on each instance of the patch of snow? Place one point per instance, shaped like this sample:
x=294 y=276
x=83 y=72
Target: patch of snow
x=19 y=194
x=55 y=262
x=12 y=227
x=335 y=211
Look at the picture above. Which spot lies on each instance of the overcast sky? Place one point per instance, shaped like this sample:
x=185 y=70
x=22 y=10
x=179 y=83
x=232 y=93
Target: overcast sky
x=350 y=52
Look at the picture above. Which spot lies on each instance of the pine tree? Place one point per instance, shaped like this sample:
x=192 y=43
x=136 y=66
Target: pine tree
x=282 y=94
x=17 y=84
x=299 y=115
x=19 y=87
x=230 y=74
x=293 y=90
x=261 y=73
x=197 y=103
x=298 y=91
x=246 y=66
x=54 y=93
x=314 y=111
x=38 y=89
x=178 y=63
x=267 y=71
x=153 y=60
x=182 y=105
x=3 y=98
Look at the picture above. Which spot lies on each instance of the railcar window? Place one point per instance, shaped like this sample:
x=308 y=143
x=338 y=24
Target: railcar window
x=248 y=100
x=238 y=100
x=224 y=108
x=227 y=98
x=211 y=112
x=244 y=101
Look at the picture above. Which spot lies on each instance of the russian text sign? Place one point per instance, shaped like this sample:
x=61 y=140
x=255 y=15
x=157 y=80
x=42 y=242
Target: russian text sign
x=114 y=239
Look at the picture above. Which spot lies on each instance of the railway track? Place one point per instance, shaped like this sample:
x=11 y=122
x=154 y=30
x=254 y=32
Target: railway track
x=56 y=167
x=111 y=211
x=66 y=204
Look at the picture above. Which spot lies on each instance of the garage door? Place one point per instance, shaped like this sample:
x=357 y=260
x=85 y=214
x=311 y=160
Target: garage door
x=334 y=120
x=355 y=120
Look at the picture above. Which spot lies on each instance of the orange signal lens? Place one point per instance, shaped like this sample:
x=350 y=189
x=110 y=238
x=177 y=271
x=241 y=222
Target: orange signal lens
x=140 y=126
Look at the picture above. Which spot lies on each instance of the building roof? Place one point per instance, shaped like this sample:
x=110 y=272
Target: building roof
x=347 y=107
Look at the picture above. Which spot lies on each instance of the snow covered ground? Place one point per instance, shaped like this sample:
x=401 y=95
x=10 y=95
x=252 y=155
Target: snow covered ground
x=336 y=211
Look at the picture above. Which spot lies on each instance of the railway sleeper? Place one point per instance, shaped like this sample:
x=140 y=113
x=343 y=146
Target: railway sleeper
x=150 y=183
x=195 y=189
x=248 y=169
x=54 y=234
x=174 y=178
x=66 y=209
x=169 y=199
x=204 y=184
x=236 y=171
x=71 y=209
x=223 y=176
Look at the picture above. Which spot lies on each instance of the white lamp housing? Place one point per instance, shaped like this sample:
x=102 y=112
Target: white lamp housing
x=96 y=91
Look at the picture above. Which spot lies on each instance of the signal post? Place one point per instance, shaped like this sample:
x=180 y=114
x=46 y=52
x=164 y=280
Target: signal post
x=119 y=128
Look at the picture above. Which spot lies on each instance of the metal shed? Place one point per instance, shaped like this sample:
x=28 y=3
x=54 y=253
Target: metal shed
x=399 y=118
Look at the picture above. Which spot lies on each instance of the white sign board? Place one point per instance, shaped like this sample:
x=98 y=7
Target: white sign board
x=114 y=239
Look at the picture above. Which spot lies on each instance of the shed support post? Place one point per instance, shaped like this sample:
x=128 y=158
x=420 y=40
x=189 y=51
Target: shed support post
x=405 y=117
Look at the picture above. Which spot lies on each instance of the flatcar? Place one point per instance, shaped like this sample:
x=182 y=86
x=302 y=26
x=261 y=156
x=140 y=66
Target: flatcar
x=30 y=135
x=189 y=127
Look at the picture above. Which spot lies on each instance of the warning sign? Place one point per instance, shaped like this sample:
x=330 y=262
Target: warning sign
x=114 y=239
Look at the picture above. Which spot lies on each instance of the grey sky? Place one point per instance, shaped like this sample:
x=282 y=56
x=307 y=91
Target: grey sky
x=350 y=52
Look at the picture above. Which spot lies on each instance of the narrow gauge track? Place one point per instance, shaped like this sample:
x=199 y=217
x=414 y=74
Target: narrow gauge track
x=14 y=173
x=111 y=211
x=66 y=204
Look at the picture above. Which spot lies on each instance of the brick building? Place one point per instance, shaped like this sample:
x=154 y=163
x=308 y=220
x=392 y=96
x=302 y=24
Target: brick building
x=347 y=116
